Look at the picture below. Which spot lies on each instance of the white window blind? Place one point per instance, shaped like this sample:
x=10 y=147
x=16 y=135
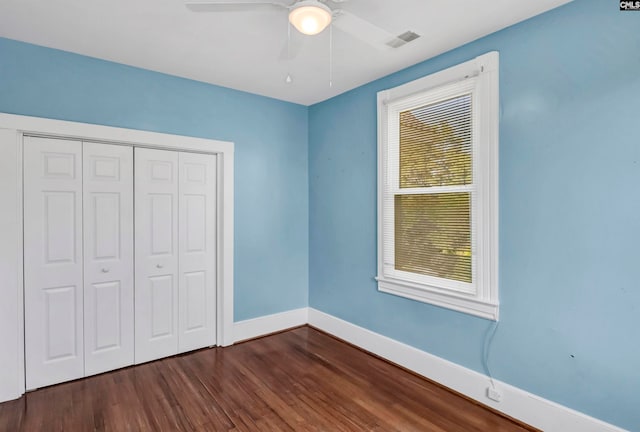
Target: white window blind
x=433 y=230
x=438 y=197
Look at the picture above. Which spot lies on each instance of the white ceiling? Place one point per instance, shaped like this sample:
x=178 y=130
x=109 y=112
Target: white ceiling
x=244 y=50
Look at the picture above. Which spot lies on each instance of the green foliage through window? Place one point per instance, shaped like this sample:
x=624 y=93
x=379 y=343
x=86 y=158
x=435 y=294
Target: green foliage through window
x=436 y=144
x=433 y=231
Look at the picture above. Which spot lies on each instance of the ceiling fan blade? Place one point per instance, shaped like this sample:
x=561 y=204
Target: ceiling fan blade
x=230 y=5
x=363 y=30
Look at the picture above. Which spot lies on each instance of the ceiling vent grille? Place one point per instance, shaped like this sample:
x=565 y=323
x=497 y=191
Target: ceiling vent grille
x=403 y=39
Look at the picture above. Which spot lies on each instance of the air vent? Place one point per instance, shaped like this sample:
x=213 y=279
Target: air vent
x=403 y=39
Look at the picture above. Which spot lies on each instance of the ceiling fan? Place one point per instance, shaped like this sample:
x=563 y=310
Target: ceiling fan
x=310 y=17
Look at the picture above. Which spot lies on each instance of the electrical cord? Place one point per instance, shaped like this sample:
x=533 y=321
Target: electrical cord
x=488 y=339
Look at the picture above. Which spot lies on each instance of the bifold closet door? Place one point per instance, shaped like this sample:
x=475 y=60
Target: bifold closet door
x=197 y=251
x=53 y=261
x=108 y=256
x=156 y=254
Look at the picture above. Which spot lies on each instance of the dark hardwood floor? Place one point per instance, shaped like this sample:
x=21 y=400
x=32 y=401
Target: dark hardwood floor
x=299 y=380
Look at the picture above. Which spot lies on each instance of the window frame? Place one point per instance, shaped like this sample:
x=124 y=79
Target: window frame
x=480 y=77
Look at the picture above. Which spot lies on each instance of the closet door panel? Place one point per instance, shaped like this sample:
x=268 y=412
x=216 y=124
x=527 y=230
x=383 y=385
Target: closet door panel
x=108 y=257
x=197 y=251
x=53 y=261
x=156 y=251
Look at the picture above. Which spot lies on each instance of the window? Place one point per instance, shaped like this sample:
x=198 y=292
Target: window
x=438 y=188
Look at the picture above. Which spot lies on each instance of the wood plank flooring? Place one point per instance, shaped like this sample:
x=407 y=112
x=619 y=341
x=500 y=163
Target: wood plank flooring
x=299 y=380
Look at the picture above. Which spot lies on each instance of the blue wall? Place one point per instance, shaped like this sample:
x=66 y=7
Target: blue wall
x=271 y=178
x=569 y=213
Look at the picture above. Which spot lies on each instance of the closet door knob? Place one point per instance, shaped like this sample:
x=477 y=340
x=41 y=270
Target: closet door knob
x=159 y=265
x=105 y=270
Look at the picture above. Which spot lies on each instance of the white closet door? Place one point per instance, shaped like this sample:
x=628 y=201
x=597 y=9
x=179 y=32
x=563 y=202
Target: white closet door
x=197 y=251
x=53 y=261
x=108 y=257
x=156 y=252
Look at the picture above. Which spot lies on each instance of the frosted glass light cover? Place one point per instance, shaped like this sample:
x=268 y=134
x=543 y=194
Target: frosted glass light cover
x=310 y=17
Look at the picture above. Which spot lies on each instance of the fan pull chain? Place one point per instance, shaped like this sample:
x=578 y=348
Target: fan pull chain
x=288 y=79
x=288 y=40
x=331 y=54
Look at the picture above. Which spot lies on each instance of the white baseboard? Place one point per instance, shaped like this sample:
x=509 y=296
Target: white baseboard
x=526 y=407
x=261 y=326
x=517 y=403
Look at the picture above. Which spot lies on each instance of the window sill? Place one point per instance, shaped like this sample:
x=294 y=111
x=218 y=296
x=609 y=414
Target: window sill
x=450 y=300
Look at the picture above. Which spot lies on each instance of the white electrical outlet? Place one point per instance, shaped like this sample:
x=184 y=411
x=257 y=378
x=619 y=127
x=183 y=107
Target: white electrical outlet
x=494 y=394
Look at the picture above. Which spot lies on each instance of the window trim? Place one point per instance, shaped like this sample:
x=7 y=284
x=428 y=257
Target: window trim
x=484 y=301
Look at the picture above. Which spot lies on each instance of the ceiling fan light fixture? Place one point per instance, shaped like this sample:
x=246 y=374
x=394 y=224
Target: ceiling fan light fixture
x=310 y=17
